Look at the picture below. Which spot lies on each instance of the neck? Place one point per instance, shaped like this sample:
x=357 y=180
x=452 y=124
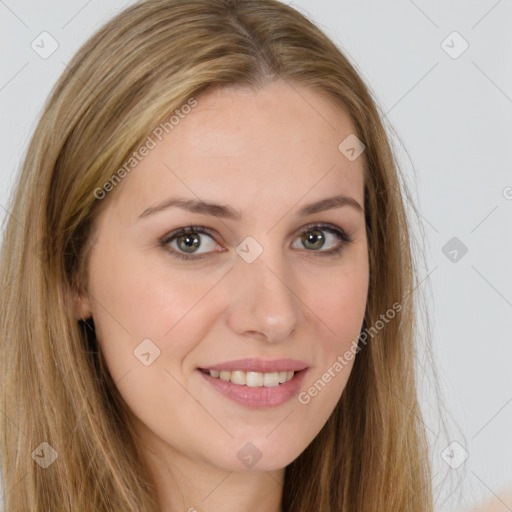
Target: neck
x=189 y=485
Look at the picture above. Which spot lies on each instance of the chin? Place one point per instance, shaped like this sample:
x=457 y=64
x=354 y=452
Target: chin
x=259 y=455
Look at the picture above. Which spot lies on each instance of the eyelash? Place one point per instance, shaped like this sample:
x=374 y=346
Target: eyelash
x=342 y=235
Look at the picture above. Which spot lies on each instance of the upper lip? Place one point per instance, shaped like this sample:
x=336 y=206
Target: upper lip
x=259 y=365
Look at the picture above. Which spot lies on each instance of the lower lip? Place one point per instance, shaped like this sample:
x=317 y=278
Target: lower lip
x=260 y=397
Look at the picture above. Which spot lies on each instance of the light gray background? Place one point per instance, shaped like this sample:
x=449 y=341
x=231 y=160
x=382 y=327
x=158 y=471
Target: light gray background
x=450 y=120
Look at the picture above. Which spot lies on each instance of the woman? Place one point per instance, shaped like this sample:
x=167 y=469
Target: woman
x=207 y=278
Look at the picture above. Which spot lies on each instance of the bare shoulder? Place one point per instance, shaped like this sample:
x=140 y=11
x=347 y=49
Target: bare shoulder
x=502 y=502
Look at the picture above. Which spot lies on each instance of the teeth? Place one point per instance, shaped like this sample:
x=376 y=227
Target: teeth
x=238 y=378
x=253 y=379
x=270 y=379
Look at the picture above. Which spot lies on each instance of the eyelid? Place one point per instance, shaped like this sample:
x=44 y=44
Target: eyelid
x=189 y=229
x=325 y=226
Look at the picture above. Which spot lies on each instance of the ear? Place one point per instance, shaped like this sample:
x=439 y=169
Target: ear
x=79 y=299
x=83 y=309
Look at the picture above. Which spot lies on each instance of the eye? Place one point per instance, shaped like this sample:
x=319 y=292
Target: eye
x=190 y=241
x=323 y=238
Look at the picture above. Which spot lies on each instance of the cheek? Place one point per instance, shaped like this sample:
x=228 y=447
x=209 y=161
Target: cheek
x=133 y=299
x=142 y=309
x=344 y=310
x=340 y=303
x=340 y=308
x=147 y=321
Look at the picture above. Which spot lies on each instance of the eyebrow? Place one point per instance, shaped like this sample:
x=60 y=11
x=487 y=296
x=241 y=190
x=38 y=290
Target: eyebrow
x=226 y=212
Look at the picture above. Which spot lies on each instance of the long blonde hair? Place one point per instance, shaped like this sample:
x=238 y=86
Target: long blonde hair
x=148 y=61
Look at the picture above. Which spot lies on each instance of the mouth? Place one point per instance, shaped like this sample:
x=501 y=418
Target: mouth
x=256 y=384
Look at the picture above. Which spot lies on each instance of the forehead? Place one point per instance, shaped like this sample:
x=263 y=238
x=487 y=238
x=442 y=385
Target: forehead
x=244 y=147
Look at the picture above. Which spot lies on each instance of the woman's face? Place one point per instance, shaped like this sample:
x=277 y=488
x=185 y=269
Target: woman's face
x=201 y=331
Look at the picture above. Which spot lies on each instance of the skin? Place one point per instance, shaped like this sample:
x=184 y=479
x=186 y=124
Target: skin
x=500 y=502
x=266 y=153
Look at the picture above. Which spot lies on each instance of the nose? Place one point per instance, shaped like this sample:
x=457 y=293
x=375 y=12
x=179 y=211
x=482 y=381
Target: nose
x=263 y=303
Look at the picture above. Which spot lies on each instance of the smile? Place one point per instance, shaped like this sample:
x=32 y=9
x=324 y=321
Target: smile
x=256 y=383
